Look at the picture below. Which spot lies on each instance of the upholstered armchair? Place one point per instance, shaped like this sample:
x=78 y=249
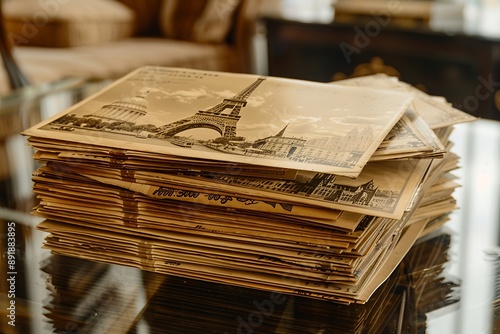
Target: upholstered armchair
x=51 y=40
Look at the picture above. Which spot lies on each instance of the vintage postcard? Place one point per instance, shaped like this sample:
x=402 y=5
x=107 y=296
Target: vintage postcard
x=241 y=118
x=410 y=138
x=435 y=110
x=384 y=189
x=403 y=138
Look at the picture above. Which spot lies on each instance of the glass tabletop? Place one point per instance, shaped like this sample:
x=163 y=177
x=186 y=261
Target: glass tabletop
x=449 y=282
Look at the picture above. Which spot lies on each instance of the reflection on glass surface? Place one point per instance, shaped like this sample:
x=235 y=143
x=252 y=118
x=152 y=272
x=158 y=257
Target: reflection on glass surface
x=21 y=288
x=477 y=224
x=88 y=297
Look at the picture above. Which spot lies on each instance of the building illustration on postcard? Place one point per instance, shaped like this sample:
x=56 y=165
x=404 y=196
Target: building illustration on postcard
x=240 y=118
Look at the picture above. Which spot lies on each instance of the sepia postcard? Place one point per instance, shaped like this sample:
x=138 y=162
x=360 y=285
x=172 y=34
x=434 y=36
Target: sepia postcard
x=411 y=138
x=241 y=118
x=404 y=140
x=435 y=110
x=383 y=189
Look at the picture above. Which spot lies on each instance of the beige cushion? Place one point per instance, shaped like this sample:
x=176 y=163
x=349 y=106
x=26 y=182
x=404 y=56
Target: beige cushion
x=112 y=60
x=66 y=23
x=206 y=21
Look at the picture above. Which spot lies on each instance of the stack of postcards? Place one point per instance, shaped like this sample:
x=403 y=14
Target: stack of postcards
x=276 y=184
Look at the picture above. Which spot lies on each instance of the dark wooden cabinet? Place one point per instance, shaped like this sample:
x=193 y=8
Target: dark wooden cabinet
x=464 y=68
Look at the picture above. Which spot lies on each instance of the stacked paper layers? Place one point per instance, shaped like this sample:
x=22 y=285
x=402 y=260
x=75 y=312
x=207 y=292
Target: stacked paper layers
x=311 y=189
x=95 y=297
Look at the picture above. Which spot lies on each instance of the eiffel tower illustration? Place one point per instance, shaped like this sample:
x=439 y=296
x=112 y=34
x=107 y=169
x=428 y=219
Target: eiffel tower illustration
x=215 y=118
